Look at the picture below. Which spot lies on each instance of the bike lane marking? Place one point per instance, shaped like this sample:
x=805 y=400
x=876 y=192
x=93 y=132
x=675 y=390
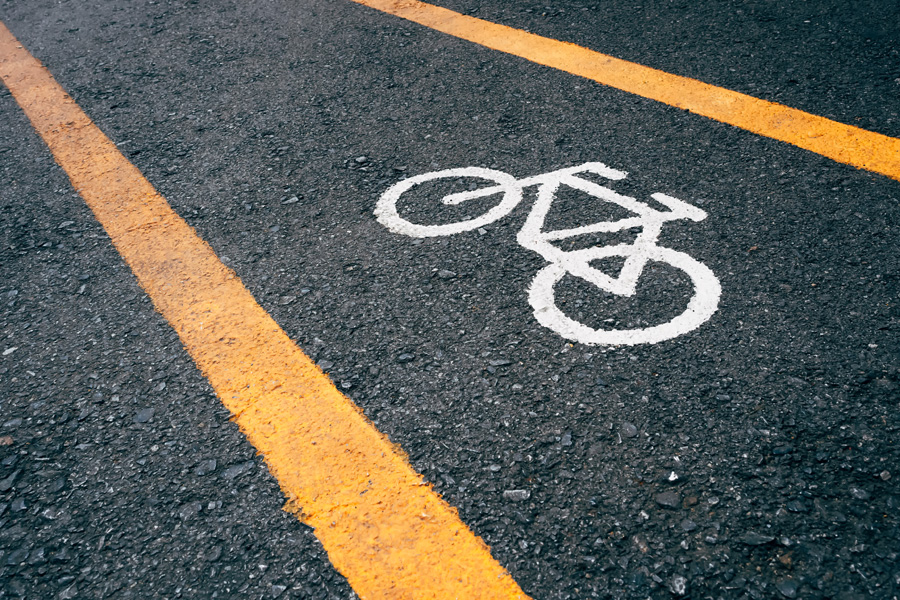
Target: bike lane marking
x=382 y=526
x=840 y=142
x=541 y=294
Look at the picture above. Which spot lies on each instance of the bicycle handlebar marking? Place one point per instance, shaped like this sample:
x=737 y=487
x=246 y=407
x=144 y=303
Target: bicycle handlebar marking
x=532 y=236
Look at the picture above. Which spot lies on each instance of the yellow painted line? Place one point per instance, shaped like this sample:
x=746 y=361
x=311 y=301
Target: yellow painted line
x=837 y=141
x=385 y=530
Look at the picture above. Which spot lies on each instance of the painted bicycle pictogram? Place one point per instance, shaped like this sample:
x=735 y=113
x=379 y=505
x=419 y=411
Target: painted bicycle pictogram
x=541 y=294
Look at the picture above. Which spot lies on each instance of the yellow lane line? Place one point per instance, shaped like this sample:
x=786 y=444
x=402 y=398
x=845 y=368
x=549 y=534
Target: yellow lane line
x=837 y=141
x=384 y=529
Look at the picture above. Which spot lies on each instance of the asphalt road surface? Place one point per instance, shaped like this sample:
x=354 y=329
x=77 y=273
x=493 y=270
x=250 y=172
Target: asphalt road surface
x=755 y=455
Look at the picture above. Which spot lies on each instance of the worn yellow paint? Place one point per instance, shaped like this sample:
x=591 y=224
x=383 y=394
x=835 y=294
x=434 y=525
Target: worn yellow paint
x=837 y=141
x=384 y=529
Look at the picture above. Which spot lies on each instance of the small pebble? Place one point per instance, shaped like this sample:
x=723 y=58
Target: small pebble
x=235 y=470
x=276 y=590
x=17 y=556
x=213 y=554
x=190 y=510
x=751 y=538
x=517 y=495
x=678 y=585
x=668 y=499
x=788 y=588
x=206 y=467
x=6 y=484
x=63 y=555
x=859 y=493
x=144 y=415
x=57 y=485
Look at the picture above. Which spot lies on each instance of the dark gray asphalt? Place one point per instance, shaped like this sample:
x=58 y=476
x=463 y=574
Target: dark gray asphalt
x=121 y=475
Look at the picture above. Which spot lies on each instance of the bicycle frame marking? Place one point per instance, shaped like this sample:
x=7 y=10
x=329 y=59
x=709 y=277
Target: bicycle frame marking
x=576 y=262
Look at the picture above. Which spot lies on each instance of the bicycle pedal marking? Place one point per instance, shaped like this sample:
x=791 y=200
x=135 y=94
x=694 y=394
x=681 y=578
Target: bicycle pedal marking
x=541 y=293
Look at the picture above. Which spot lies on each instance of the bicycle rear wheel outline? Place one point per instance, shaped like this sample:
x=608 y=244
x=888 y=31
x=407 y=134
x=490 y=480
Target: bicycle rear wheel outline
x=702 y=305
x=387 y=215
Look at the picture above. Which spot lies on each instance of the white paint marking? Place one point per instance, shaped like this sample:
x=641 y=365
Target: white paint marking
x=386 y=210
x=541 y=294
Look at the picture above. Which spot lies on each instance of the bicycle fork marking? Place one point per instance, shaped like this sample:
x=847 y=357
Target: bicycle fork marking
x=541 y=294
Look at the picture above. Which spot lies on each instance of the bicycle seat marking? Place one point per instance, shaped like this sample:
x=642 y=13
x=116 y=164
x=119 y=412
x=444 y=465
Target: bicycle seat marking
x=577 y=263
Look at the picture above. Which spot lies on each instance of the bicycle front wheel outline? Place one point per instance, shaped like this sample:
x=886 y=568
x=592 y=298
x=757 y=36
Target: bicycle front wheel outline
x=387 y=215
x=703 y=304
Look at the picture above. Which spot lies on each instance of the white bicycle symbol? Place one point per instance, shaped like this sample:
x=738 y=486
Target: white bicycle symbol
x=541 y=294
